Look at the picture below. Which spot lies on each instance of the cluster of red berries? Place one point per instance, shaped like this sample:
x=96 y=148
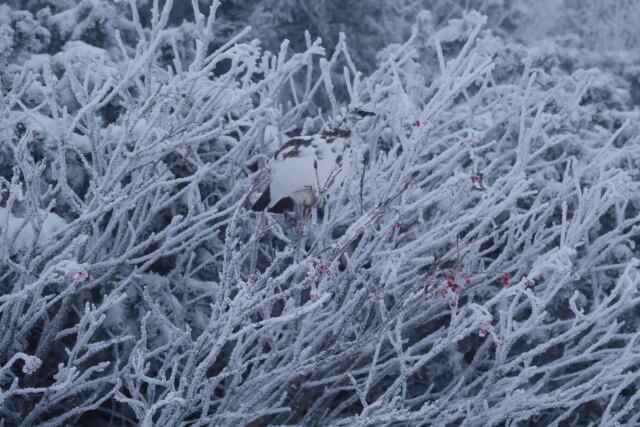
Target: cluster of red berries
x=478 y=177
x=453 y=286
x=450 y=285
x=451 y=282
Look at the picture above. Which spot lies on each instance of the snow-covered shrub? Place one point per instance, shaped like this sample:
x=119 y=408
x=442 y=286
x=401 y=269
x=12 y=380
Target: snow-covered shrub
x=478 y=267
x=20 y=36
x=605 y=25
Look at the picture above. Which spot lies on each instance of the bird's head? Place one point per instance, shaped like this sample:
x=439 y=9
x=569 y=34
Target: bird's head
x=356 y=114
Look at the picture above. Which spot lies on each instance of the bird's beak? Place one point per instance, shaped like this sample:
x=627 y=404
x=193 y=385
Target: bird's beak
x=364 y=113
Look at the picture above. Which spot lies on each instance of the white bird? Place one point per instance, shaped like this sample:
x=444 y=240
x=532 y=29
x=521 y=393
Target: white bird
x=307 y=167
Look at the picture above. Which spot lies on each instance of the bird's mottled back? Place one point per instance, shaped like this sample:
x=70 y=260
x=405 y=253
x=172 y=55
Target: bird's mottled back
x=306 y=167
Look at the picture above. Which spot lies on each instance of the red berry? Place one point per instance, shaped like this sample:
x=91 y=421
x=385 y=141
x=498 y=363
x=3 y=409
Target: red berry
x=416 y=123
x=505 y=279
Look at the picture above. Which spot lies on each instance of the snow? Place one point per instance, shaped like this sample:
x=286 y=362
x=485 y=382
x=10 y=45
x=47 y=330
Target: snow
x=21 y=233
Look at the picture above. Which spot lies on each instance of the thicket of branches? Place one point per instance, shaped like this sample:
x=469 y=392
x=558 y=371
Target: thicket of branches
x=477 y=267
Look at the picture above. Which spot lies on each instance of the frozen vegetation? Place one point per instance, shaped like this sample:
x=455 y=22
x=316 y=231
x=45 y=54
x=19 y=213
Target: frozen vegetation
x=478 y=267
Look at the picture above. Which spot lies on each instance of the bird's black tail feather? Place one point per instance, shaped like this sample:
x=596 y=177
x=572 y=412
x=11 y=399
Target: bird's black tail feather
x=262 y=203
x=284 y=204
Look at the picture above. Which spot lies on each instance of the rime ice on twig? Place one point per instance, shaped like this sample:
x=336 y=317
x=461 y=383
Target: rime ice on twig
x=136 y=285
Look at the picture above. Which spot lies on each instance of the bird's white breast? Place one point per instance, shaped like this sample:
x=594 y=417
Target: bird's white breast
x=296 y=170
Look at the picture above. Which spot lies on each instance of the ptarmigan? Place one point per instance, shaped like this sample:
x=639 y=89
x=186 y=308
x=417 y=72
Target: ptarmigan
x=307 y=167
